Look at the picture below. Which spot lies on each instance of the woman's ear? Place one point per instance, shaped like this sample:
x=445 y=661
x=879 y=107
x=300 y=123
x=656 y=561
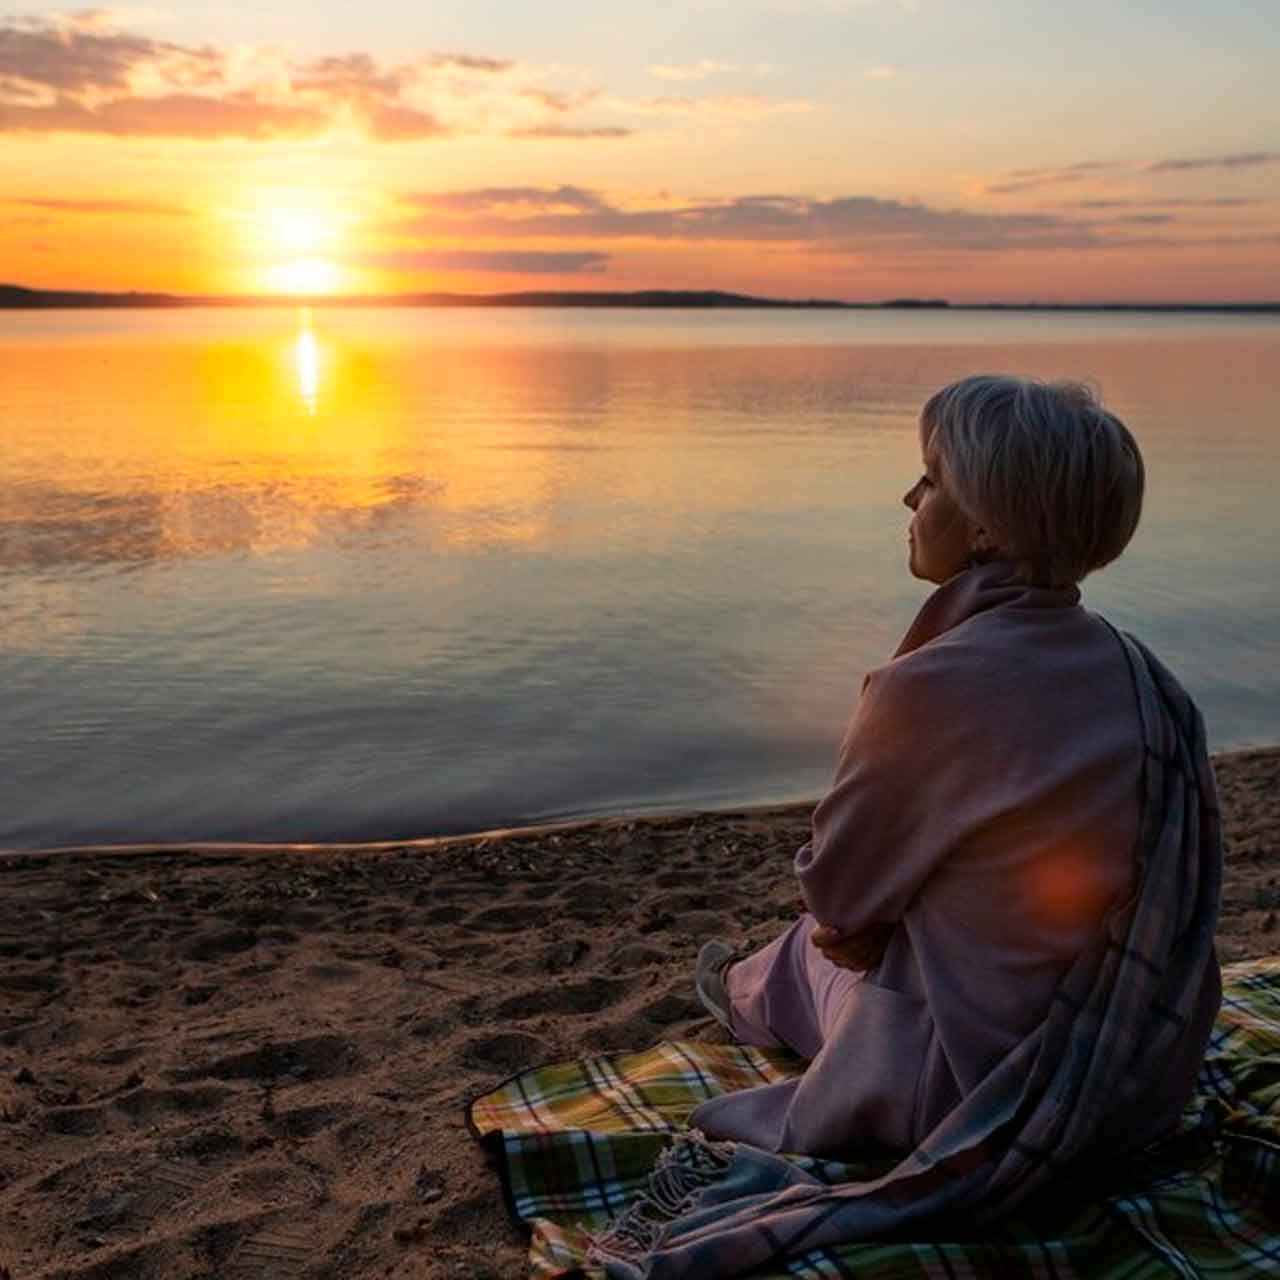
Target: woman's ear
x=983 y=545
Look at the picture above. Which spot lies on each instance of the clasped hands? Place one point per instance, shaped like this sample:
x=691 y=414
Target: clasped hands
x=861 y=950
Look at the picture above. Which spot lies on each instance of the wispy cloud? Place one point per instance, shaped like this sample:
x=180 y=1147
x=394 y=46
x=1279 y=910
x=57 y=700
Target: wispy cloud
x=570 y=131
x=469 y=62
x=1169 y=202
x=1239 y=160
x=852 y=226
x=513 y=202
x=169 y=116
x=511 y=262
x=136 y=207
x=848 y=223
x=880 y=73
x=1019 y=180
x=108 y=19
x=739 y=105
x=83 y=74
x=704 y=68
x=1034 y=179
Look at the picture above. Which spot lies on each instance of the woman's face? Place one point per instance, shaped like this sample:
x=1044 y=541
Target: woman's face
x=941 y=536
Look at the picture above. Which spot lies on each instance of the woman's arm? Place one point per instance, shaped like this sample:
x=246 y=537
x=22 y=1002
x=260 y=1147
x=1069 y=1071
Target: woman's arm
x=862 y=950
x=906 y=791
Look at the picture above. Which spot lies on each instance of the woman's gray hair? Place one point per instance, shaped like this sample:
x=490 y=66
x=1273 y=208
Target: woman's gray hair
x=1052 y=476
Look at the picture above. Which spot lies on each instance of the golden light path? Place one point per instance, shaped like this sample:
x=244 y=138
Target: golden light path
x=307 y=359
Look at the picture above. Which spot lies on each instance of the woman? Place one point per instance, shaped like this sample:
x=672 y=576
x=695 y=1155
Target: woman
x=986 y=806
x=1007 y=960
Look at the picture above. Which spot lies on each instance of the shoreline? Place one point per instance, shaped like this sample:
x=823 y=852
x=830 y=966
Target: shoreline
x=252 y=1060
x=427 y=844
x=430 y=844
x=16 y=297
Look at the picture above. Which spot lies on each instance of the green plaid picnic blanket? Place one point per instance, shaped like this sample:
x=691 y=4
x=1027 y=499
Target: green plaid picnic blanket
x=576 y=1142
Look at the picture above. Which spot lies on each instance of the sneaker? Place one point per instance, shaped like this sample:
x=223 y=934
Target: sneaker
x=708 y=979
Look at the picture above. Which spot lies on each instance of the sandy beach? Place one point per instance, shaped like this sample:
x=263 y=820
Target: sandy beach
x=252 y=1061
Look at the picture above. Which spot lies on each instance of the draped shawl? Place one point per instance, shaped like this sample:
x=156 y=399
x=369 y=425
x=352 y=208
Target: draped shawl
x=1124 y=1009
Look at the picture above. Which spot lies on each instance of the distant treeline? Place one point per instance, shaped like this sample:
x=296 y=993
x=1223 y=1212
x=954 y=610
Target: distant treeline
x=13 y=297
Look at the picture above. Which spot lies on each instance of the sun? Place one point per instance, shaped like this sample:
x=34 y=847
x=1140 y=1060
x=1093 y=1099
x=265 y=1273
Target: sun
x=297 y=236
x=304 y=276
x=298 y=227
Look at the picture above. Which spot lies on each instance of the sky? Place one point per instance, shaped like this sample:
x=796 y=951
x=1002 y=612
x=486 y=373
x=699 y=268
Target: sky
x=990 y=150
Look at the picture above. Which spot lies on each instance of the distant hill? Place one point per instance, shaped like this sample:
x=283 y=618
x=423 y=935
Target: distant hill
x=14 y=297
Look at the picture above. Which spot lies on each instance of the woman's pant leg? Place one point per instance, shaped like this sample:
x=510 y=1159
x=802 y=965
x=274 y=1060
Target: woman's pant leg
x=788 y=992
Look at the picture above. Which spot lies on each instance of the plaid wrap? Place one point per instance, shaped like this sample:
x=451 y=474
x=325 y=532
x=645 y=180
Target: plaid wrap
x=577 y=1142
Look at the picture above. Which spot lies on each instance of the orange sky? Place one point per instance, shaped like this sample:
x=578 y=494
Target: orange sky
x=857 y=149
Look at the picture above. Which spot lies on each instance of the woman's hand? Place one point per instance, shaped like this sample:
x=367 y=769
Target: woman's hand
x=861 y=950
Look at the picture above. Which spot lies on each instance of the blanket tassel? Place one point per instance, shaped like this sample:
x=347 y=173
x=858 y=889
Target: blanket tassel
x=684 y=1170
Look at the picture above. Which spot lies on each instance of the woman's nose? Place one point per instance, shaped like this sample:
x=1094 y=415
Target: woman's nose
x=909 y=498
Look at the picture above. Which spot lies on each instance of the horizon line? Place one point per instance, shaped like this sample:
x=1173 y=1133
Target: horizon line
x=14 y=296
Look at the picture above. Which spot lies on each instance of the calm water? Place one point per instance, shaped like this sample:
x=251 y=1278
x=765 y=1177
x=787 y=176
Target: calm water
x=377 y=574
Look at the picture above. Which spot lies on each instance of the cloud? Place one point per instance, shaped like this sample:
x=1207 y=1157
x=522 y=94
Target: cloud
x=1169 y=202
x=741 y=105
x=80 y=73
x=846 y=223
x=1019 y=180
x=348 y=74
x=143 y=207
x=173 y=116
x=880 y=73
x=1034 y=179
x=851 y=226
x=1239 y=160
x=469 y=62
x=515 y=262
x=57 y=58
x=511 y=200
x=109 y=19
x=392 y=123
x=570 y=131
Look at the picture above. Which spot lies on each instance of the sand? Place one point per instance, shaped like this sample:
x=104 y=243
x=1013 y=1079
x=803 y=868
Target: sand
x=252 y=1061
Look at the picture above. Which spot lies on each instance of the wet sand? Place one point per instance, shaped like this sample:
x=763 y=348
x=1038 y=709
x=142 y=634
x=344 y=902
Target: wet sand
x=251 y=1061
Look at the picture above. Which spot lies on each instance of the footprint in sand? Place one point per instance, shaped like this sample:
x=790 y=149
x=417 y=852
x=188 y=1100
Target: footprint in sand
x=213 y=945
x=505 y=919
x=276 y=1252
x=678 y=879
x=332 y=972
x=679 y=903
x=305 y=1122
x=147 y=1106
x=444 y=915
x=589 y=995
x=207 y=1144
x=637 y=956
x=673 y=1007
x=311 y=1057
x=506 y=1051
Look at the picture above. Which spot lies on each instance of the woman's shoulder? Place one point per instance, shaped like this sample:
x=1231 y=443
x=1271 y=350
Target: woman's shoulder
x=1001 y=659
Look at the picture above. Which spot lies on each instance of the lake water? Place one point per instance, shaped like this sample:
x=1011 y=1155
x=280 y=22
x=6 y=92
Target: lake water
x=375 y=574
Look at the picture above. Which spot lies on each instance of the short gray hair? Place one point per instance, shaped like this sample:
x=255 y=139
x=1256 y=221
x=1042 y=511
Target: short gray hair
x=1056 y=479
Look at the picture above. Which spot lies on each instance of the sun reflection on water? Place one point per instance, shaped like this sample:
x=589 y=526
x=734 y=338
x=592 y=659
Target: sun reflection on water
x=307 y=359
